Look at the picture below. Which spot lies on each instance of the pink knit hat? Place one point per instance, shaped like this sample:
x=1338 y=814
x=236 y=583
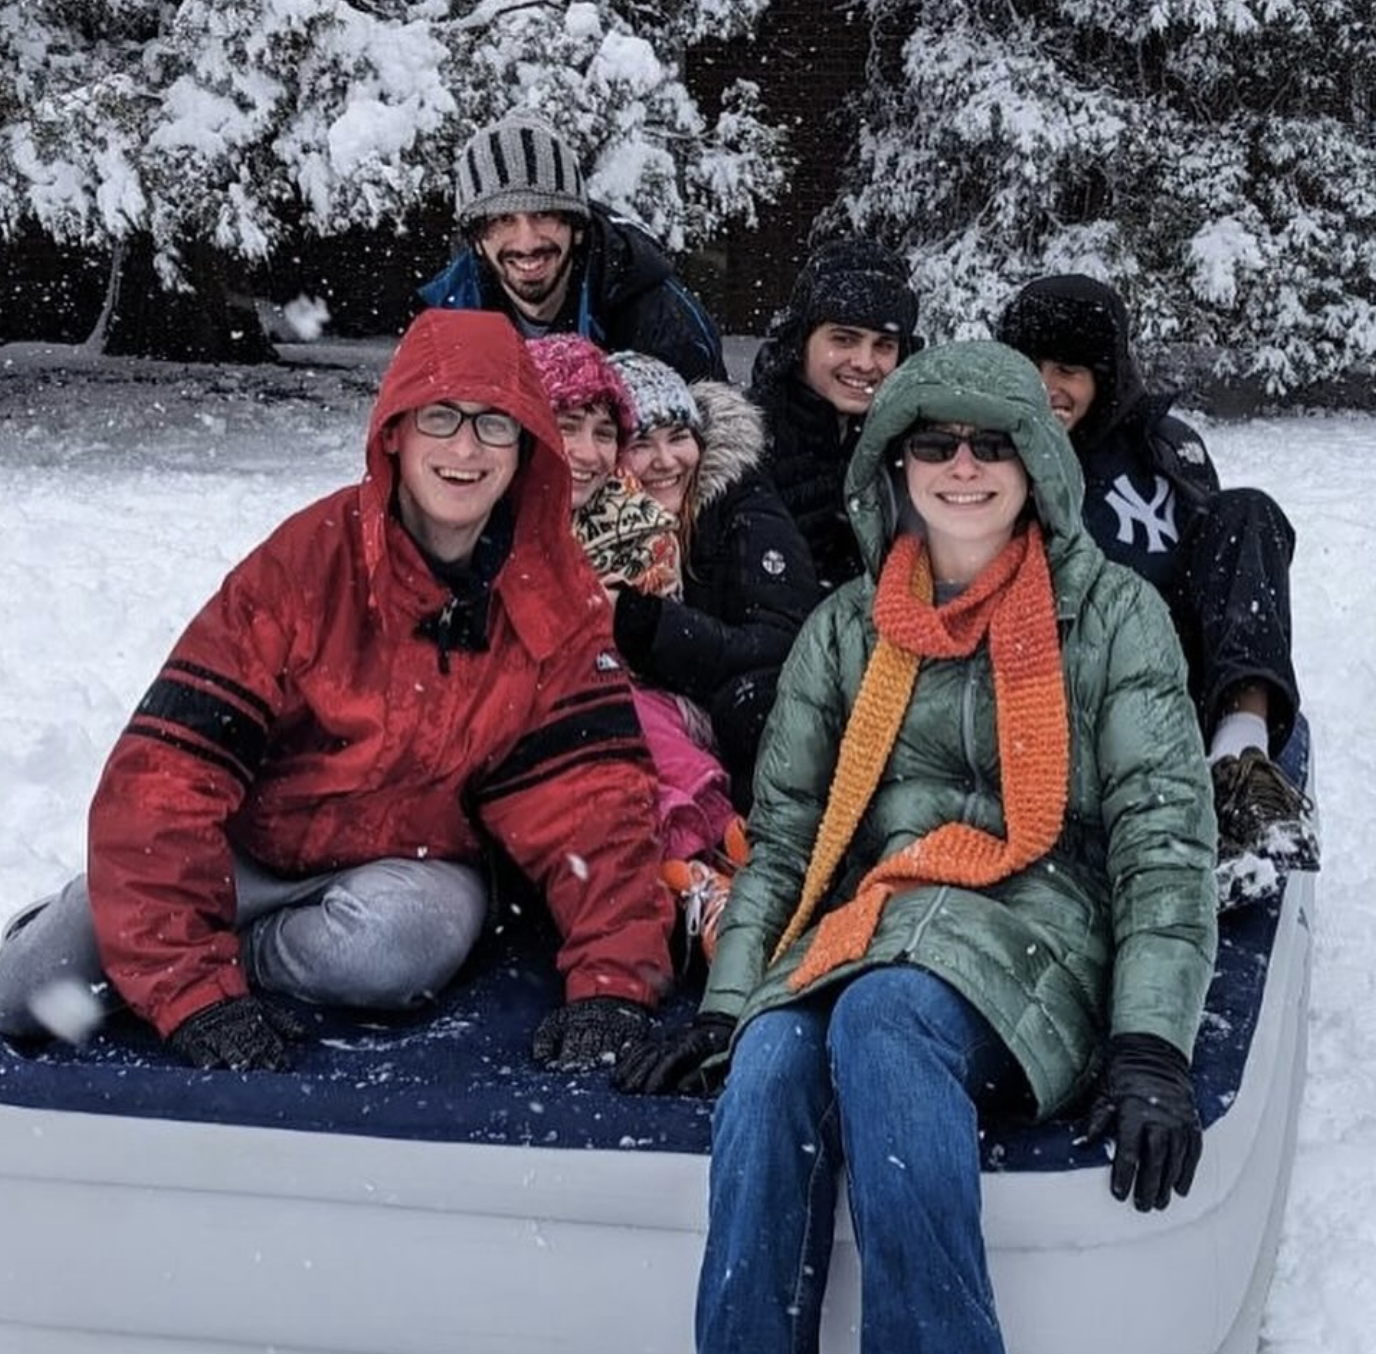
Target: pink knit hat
x=575 y=372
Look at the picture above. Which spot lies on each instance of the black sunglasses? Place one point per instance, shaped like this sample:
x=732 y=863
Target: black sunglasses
x=935 y=445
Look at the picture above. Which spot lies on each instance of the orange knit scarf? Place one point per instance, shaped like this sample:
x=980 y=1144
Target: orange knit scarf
x=1013 y=603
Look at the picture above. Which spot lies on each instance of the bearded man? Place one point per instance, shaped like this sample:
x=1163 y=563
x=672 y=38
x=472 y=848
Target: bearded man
x=536 y=249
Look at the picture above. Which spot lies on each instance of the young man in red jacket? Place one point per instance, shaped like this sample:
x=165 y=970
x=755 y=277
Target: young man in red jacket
x=404 y=669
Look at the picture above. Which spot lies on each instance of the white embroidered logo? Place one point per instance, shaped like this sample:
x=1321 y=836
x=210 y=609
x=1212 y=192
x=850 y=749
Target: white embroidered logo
x=773 y=562
x=606 y=662
x=1157 y=517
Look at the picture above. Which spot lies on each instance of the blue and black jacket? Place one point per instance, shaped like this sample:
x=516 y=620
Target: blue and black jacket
x=624 y=296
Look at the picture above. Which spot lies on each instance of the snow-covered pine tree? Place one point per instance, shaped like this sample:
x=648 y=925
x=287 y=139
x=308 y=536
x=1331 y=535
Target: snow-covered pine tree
x=1215 y=159
x=213 y=129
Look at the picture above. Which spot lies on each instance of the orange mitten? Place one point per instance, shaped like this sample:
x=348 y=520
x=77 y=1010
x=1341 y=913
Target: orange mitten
x=734 y=844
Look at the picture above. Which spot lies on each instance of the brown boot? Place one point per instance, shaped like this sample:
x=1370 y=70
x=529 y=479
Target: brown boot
x=1261 y=813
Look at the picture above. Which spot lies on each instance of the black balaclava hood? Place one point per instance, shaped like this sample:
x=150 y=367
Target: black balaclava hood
x=1082 y=322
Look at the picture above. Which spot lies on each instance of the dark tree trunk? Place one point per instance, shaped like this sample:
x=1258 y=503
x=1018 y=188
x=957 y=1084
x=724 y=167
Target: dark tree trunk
x=49 y=292
x=205 y=324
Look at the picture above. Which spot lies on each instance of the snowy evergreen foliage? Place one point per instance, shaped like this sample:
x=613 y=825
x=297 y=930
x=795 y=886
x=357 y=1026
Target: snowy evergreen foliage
x=236 y=122
x=1214 y=159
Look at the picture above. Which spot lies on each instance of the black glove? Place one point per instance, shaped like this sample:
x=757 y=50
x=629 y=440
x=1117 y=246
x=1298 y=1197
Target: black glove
x=586 y=1033
x=635 y=622
x=1145 y=1101
x=240 y=1033
x=669 y=1060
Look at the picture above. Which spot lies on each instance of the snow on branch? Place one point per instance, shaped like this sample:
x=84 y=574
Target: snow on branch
x=239 y=122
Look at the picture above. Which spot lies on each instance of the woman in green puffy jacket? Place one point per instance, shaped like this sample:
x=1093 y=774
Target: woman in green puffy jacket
x=982 y=852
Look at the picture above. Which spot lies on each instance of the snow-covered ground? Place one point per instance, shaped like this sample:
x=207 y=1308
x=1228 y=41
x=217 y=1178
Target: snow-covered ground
x=129 y=489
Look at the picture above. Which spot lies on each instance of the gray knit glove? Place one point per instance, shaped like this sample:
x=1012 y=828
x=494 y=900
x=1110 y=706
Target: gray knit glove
x=240 y=1033
x=589 y=1032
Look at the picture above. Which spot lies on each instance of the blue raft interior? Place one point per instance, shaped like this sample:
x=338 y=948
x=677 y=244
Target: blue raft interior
x=462 y=1072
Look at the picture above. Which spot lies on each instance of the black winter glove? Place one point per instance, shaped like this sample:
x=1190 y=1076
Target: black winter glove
x=589 y=1032
x=1145 y=1101
x=635 y=622
x=240 y=1033
x=669 y=1060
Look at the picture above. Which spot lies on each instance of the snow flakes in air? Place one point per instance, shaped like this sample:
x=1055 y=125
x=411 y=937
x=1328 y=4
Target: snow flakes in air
x=67 y=1009
x=121 y=515
x=307 y=317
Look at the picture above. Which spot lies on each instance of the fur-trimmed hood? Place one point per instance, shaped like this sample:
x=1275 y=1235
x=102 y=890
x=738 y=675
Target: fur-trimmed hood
x=732 y=439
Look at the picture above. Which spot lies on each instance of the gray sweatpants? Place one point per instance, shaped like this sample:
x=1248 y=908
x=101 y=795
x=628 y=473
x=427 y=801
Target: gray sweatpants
x=387 y=935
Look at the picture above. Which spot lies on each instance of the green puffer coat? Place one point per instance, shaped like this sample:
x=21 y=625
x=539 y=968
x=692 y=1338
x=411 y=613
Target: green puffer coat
x=1114 y=931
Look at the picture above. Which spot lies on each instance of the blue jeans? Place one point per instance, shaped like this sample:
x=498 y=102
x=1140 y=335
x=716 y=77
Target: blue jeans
x=883 y=1078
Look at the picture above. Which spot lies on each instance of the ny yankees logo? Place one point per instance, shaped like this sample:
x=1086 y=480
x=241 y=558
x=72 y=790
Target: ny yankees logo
x=1157 y=517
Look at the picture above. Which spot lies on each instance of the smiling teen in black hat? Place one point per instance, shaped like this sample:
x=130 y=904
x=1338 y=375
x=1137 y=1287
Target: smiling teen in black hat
x=848 y=323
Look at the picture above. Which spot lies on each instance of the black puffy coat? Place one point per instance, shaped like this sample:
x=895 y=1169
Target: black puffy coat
x=809 y=449
x=748 y=585
x=809 y=444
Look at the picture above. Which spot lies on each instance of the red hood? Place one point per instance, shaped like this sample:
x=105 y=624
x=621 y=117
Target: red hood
x=477 y=355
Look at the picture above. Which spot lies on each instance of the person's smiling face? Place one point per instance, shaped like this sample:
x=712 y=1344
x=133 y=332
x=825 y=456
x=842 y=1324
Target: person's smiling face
x=590 y=440
x=1070 y=389
x=969 y=506
x=448 y=485
x=664 y=460
x=845 y=364
x=532 y=255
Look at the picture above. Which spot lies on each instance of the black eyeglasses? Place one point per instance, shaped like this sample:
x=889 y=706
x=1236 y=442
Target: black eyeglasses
x=490 y=426
x=935 y=445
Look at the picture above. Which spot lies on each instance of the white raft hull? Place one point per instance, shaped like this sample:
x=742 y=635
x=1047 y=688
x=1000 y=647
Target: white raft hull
x=143 y=1236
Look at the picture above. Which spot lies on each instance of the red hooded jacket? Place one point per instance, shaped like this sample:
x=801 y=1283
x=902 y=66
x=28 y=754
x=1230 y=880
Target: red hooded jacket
x=302 y=720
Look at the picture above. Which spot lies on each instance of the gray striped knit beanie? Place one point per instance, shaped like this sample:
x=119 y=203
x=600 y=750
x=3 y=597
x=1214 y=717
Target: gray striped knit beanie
x=659 y=395
x=518 y=166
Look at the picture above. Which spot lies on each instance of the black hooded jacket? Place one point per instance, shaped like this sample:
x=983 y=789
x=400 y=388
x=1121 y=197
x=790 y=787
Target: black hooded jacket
x=748 y=586
x=810 y=446
x=1221 y=558
x=747 y=582
x=1126 y=432
x=623 y=295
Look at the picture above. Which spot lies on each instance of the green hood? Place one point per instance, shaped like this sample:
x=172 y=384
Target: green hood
x=986 y=384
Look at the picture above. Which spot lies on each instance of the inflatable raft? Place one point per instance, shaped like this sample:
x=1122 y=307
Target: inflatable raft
x=421 y=1187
